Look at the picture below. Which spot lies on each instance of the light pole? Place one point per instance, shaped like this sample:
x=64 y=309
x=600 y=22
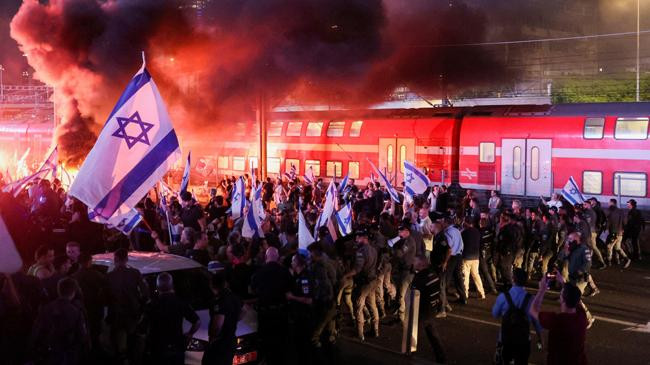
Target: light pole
x=2 y=91
x=638 y=5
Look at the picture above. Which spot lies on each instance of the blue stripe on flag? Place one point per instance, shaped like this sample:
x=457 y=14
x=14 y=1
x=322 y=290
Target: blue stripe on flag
x=568 y=197
x=137 y=176
x=341 y=224
x=135 y=220
x=410 y=191
x=416 y=171
x=137 y=82
x=575 y=186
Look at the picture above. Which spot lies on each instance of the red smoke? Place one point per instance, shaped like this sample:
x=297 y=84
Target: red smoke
x=211 y=69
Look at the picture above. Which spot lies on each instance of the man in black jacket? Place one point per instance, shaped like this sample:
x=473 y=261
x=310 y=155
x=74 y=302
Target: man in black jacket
x=633 y=227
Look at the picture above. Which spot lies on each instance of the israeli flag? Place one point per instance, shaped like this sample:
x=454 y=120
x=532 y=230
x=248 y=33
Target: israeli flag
x=328 y=207
x=343 y=184
x=258 y=202
x=309 y=176
x=51 y=162
x=304 y=236
x=10 y=260
x=572 y=193
x=238 y=195
x=344 y=219
x=415 y=181
x=124 y=220
x=253 y=221
x=135 y=148
x=391 y=190
x=186 y=174
x=291 y=175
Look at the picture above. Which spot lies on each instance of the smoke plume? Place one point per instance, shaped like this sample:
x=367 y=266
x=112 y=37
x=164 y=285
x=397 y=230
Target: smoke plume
x=211 y=67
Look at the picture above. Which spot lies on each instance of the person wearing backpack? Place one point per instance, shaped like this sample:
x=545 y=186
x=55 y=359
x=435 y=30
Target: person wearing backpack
x=512 y=307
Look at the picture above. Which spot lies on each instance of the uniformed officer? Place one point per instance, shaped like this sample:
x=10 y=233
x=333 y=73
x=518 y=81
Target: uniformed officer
x=364 y=272
x=301 y=300
x=407 y=251
x=225 y=312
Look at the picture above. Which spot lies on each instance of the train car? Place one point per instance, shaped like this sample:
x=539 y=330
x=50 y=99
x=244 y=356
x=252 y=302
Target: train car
x=336 y=143
x=533 y=151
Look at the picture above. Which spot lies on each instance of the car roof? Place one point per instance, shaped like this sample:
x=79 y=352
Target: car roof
x=149 y=262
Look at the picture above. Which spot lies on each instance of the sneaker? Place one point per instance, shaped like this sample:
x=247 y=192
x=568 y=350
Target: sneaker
x=590 y=322
x=627 y=263
x=594 y=292
x=441 y=315
x=482 y=296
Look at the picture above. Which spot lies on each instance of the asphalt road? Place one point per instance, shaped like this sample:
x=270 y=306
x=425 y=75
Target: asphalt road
x=620 y=335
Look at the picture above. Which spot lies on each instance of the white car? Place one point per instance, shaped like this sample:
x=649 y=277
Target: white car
x=192 y=283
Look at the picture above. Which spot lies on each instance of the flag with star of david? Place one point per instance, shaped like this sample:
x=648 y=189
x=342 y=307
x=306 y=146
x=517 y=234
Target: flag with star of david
x=415 y=181
x=238 y=198
x=394 y=195
x=344 y=219
x=572 y=193
x=186 y=174
x=135 y=148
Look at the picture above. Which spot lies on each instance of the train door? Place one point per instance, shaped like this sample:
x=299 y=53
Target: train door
x=392 y=153
x=538 y=167
x=526 y=166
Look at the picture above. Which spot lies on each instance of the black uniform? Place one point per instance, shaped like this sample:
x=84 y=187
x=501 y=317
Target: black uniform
x=222 y=348
x=165 y=316
x=60 y=334
x=428 y=283
x=301 y=316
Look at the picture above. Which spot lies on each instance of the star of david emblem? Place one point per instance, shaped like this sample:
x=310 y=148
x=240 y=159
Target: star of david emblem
x=574 y=191
x=409 y=178
x=236 y=197
x=347 y=220
x=132 y=140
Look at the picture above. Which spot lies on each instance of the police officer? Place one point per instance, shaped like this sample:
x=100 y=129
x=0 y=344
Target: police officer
x=506 y=247
x=615 y=220
x=301 y=299
x=324 y=280
x=271 y=283
x=407 y=250
x=225 y=312
x=591 y=217
x=364 y=273
x=439 y=258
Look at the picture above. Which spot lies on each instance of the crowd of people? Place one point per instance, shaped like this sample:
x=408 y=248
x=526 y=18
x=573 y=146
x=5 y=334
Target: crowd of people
x=55 y=310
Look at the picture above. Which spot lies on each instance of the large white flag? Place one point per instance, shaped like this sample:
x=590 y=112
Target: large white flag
x=344 y=219
x=136 y=147
x=415 y=181
x=328 y=207
x=304 y=236
x=238 y=199
x=572 y=193
x=253 y=221
x=10 y=260
x=52 y=162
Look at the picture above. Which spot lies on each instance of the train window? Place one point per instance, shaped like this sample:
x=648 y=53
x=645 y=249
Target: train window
x=631 y=128
x=291 y=161
x=334 y=167
x=534 y=163
x=353 y=169
x=222 y=162
x=402 y=158
x=516 y=163
x=335 y=129
x=592 y=182
x=239 y=163
x=594 y=128
x=355 y=128
x=294 y=129
x=275 y=129
x=486 y=152
x=632 y=184
x=314 y=129
x=389 y=158
x=273 y=165
x=315 y=166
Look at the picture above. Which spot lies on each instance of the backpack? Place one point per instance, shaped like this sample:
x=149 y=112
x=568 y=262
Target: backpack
x=515 y=325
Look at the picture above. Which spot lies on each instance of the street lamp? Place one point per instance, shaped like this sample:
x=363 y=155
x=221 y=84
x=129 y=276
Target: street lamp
x=1 y=84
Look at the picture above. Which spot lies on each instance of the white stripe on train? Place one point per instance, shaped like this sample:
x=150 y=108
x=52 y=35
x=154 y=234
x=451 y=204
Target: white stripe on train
x=581 y=153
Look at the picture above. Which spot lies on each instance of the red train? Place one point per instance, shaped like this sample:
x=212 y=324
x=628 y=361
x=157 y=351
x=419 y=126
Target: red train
x=524 y=150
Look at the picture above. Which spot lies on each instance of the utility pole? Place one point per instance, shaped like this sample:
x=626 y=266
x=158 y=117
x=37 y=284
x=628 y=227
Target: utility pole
x=638 y=42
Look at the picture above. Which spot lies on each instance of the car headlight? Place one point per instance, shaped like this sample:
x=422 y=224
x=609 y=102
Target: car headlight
x=197 y=345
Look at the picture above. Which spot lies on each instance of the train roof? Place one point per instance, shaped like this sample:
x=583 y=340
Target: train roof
x=622 y=109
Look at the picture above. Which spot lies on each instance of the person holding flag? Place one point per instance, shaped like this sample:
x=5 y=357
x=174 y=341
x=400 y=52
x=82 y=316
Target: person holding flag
x=134 y=150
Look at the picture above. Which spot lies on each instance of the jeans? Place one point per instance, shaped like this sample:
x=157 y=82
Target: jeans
x=454 y=271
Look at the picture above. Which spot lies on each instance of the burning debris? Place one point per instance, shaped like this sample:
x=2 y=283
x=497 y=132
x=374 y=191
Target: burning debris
x=211 y=68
